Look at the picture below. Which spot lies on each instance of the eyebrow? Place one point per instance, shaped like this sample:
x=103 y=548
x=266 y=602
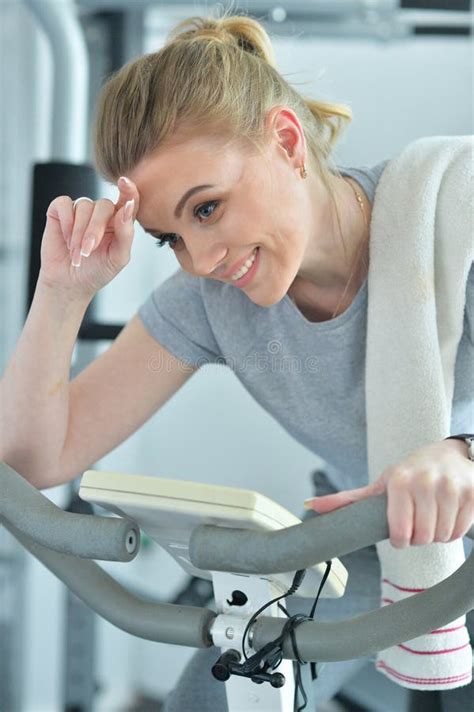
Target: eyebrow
x=179 y=208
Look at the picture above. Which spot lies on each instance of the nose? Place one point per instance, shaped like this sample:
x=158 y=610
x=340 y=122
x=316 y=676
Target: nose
x=206 y=259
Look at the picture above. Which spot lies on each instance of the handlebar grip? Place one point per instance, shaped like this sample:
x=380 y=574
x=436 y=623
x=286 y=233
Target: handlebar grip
x=89 y=537
x=317 y=539
x=298 y=547
x=150 y=620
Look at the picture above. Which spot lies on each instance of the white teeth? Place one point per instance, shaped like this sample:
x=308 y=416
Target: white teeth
x=245 y=267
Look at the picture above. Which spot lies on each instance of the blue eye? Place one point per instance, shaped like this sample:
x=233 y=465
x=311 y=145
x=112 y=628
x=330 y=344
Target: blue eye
x=213 y=203
x=171 y=238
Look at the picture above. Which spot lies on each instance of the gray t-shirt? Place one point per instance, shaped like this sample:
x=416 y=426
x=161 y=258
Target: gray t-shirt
x=309 y=376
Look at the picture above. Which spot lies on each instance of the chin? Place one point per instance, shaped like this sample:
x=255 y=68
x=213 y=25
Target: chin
x=266 y=293
x=267 y=299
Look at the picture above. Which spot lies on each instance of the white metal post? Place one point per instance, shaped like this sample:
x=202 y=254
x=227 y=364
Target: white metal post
x=244 y=695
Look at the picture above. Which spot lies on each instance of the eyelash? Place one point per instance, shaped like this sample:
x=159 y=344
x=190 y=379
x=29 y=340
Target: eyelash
x=171 y=238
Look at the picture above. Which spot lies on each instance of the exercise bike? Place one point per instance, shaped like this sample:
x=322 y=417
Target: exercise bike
x=255 y=552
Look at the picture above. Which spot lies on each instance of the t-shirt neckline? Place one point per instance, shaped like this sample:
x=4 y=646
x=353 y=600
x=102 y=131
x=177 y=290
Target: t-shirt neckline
x=337 y=321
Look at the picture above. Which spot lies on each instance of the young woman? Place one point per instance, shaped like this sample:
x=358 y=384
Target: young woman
x=216 y=155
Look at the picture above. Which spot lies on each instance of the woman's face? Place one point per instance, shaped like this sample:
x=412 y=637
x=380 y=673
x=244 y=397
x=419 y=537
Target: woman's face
x=253 y=205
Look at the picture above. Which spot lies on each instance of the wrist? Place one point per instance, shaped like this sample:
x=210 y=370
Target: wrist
x=465 y=443
x=63 y=294
x=60 y=307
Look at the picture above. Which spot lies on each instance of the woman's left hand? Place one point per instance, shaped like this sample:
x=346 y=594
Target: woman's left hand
x=430 y=495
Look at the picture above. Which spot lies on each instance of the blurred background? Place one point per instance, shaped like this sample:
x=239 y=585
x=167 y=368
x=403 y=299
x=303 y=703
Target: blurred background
x=406 y=70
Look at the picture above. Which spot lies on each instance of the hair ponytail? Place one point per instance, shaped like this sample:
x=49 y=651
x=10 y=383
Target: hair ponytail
x=212 y=75
x=239 y=31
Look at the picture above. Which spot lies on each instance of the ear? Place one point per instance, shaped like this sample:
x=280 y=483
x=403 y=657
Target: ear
x=285 y=128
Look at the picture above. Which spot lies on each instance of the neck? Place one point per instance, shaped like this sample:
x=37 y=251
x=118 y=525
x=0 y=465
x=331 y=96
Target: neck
x=330 y=258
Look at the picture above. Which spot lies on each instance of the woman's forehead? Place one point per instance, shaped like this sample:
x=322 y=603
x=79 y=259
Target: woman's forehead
x=164 y=178
x=188 y=160
x=178 y=169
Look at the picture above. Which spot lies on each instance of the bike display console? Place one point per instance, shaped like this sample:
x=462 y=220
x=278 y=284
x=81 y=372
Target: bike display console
x=168 y=511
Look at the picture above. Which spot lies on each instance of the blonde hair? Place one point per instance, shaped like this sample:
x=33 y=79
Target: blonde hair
x=212 y=75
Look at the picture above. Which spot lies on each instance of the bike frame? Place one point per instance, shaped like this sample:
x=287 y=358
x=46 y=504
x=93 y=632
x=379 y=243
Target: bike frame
x=66 y=543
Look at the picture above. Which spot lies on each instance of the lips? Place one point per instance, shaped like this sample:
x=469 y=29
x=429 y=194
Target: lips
x=237 y=266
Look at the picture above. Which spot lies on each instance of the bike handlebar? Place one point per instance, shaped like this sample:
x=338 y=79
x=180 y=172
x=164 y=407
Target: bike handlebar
x=30 y=512
x=317 y=539
x=45 y=531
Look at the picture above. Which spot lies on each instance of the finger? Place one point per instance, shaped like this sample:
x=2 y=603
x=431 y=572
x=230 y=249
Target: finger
x=82 y=215
x=400 y=513
x=127 y=191
x=103 y=210
x=60 y=210
x=448 y=507
x=324 y=504
x=426 y=516
x=119 y=249
x=329 y=502
x=78 y=200
x=464 y=520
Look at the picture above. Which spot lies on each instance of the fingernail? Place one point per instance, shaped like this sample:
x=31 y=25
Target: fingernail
x=126 y=181
x=307 y=503
x=128 y=210
x=76 y=258
x=87 y=246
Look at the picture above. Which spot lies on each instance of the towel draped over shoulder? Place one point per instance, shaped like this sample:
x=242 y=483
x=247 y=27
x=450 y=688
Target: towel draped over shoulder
x=421 y=251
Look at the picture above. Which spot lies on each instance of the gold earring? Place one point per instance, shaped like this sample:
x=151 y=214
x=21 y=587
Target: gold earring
x=303 y=171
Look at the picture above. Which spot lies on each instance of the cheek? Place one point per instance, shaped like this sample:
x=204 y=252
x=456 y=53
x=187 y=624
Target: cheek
x=244 y=226
x=183 y=258
x=288 y=229
x=286 y=211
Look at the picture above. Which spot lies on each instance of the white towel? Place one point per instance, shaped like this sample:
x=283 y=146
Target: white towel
x=421 y=250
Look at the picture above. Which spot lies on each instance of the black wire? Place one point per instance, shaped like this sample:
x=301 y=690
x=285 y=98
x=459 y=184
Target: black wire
x=295 y=648
x=290 y=625
x=289 y=628
x=323 y=581
x=297 y=579
x=299 y=687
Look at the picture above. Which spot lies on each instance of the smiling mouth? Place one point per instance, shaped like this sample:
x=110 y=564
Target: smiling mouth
x=248 y=275
x=245 y=267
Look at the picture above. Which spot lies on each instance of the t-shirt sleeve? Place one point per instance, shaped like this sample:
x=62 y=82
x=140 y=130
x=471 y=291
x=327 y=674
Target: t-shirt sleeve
x=175 y=315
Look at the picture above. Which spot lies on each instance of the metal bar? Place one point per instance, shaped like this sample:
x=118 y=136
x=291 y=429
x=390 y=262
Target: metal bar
x=30 y=512
x=315 y=540
x=160 y=622
x=318 y=539
x=433 y=18
x=366 y=634
x=71 y=77
x=315 y=8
